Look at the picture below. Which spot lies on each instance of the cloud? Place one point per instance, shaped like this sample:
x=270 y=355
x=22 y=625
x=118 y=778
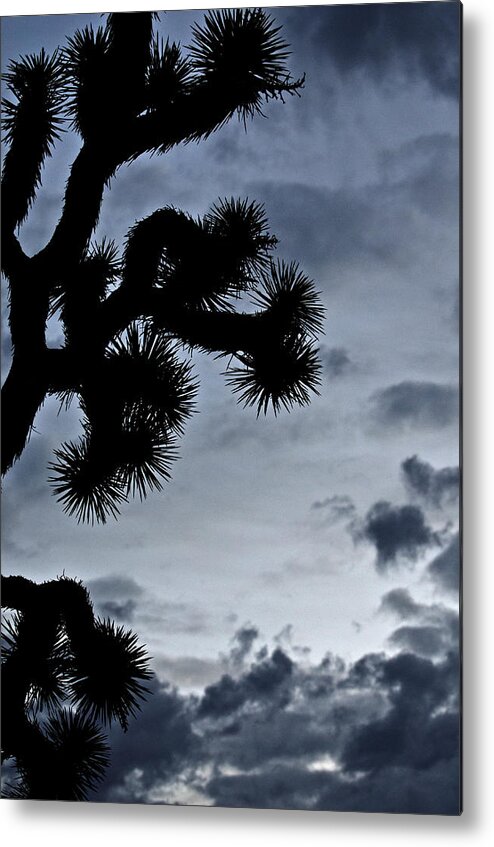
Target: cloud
x=397 y=532
x=381 y=734
x=263 y=679
x=158 y=745
x=435 y=628
x=334 y=509
x=396 y=221
x=242 y=645
x=115 y=596
x=389 y=42
x=444 y=570
x=336 y=227
x=114 y=587
x=435 y=487
x=123 y=598
x=400 y=602
x=423 y=405
x=414 y=732
x=423 y=640
x=426 y=170
x=335 y=361
x=190 y=672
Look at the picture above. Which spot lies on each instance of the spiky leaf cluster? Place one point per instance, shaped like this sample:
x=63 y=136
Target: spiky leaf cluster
x=280 y=375
x=66 y=673
x=132 y=417
x=75 y=759
x=32 y=123
x=245 y=242
x=90 y=281
x=289 y=297
x=168 y=75
x=104 y=696
x=179 y=279
x=86 y=60
x=240 y=50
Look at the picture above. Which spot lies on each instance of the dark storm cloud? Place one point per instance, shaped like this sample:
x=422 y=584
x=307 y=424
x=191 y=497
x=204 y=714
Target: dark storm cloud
x=397 y=532
x=413 y=732
x=262 y=681
x=444 y=570
x=334 y=509
x=379 y=735
x=419 y=404
x=335 y=361
x=158 y=744
x=426 y=641
x=391 y=42
x=414 y=741
x=435 y=487
x=435 y=630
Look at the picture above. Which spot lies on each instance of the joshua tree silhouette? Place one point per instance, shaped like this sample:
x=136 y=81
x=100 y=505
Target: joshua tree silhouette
x=64 y=675
x=125 y=318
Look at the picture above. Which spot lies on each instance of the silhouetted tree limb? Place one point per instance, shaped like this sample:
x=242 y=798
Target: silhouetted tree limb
x=65 y=675
x=126 y=318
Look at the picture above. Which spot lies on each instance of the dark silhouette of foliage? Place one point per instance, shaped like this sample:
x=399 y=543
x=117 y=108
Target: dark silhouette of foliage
x=126 y=317
x=65 y=675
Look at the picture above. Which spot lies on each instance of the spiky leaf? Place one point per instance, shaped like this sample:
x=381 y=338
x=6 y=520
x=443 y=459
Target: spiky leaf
x=280 y=376
x=110 y=695
x=240 y=52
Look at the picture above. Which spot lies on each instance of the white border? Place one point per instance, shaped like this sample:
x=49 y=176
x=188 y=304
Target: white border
x=81 y=824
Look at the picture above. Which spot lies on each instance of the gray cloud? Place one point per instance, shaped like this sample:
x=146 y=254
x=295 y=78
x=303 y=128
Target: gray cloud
x=334 y=509
x=337 y=226
x=381 y=734
x=391 y=42
x=397 y=532
x=435 y=487
x=420 y=404
x=444 y=570
x=435 y=630
x=385 y=223
x=425 y=171
x=261 y=681
x=115 y=596
x=242 y=645
x=119 y=611
x=187 y=671
x=423 y=640
x=114 y=588
x=400 y=602
x=335 y=361
x=156 y=747
x=412 y=733
x=123 y=598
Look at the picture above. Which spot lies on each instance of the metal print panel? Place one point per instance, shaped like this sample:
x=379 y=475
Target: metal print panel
x=230 y=430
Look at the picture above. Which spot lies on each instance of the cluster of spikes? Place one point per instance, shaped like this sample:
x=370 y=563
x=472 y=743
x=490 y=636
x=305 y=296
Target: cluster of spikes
x=132 y=318
x=66 y=675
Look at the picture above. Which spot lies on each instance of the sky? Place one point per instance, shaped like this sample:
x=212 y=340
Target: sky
x=297 y=581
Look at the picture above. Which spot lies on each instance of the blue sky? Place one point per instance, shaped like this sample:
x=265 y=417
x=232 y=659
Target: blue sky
x=296 y=529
